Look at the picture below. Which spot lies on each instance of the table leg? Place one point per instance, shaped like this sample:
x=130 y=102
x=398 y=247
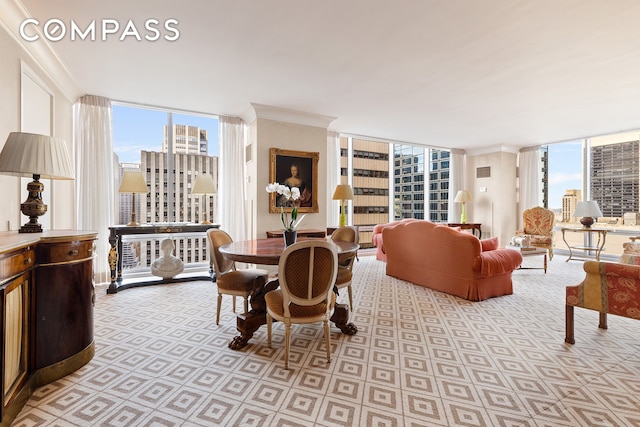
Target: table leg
x=113 y=263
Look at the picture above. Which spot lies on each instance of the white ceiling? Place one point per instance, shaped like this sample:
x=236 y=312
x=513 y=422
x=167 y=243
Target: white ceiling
x=448 y=73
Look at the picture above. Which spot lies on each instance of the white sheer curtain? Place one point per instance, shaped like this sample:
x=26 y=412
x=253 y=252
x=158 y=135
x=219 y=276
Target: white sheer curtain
x=93 y=139
x=333 y=176
x=530 y=174
x=231 y=194
x=456 y=183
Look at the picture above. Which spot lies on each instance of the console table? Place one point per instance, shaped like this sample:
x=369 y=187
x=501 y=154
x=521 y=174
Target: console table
x=160 y=230
x=473 y=226
x=47 y=295
x=597 y=248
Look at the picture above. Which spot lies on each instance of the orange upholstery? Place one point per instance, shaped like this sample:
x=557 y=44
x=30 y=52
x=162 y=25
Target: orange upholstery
x=608 y=288
x=376 y=237
x=448 y=260
x=538 y=225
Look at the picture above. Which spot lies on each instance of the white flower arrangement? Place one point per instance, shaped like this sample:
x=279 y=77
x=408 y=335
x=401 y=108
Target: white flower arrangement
x=291 y=195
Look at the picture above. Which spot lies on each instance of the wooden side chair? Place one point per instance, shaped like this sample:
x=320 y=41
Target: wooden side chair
x=307 y=272
x=345 y=267
x=229 y=280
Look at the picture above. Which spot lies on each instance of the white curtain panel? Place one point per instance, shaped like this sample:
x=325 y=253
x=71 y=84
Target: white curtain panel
x=529 y=170
x=93 y=141
x=456 y=183
x=231 y=197
x=333 y=176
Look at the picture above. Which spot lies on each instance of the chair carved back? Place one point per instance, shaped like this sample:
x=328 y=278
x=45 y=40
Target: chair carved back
x=216 y=239
x=538 y=221
x=307 y=272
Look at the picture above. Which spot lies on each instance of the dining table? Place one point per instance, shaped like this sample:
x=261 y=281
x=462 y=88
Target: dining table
x=268 y=252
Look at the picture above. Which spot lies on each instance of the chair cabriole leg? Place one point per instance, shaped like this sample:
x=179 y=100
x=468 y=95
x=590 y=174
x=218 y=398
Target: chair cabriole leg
x=569 y=325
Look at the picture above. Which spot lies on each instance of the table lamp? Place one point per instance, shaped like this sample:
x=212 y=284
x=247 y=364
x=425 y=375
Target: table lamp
x=588 y=211
x=463 y=197
x=133 y=182
x=204 y=185
x=38 y=156
x=343 y=192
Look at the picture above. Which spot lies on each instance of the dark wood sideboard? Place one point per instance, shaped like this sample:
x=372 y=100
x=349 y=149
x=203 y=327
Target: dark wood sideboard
x=47 y=297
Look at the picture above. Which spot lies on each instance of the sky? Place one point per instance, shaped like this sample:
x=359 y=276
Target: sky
x=565 y=171
x=136 y=129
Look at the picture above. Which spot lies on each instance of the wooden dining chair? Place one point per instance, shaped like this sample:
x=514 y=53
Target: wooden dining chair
x=345 y=267
x=229 y=280
x=307 y=273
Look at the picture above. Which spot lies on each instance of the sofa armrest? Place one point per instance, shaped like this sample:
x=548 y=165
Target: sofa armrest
x=498 y=261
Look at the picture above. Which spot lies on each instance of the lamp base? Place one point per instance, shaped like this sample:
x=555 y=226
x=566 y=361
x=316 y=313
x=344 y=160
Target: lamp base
x=33 y=207
x=586 y=221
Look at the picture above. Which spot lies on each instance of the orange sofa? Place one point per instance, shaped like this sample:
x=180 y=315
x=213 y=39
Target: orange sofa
x=448 y=260
x=376 y=237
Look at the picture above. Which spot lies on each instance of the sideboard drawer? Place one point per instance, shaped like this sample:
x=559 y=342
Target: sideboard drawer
x=65 y=252
x=14 y=263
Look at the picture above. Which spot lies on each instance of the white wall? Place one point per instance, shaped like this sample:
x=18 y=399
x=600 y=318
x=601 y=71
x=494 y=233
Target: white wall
x=289 y=136
x=494 y=208
x=62 y=204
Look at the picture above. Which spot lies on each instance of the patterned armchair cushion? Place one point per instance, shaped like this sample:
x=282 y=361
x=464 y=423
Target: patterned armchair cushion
x=608 y=288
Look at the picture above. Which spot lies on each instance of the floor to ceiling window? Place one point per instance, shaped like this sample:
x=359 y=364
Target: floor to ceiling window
x=170 y=150
x=603 y=169
x=367 y=165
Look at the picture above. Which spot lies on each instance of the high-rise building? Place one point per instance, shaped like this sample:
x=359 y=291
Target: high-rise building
x=408 y=182
x=439 y=168
x=615 y=176
x=186 y=140
x=569 y=202
x=370 y=164
x=174 y=202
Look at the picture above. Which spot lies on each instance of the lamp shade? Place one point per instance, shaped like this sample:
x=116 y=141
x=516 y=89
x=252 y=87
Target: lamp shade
x=27 y=154
x=133 y=182
x=343 y=192
x=203 y=185
x=589 y=208
x=463 y=196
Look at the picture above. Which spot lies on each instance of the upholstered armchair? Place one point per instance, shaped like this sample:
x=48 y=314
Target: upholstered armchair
x=631 y=251
x=538 y=226
x=607 y=288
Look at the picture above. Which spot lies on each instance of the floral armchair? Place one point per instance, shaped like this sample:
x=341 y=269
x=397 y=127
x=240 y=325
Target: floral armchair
x=631 y=252
x=608 y=288
x=538 y=226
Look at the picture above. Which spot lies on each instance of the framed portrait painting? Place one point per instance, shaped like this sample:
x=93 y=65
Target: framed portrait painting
x=294 y=169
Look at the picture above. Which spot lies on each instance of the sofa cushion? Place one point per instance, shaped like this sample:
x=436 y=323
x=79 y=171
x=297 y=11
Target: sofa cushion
x=489 y=244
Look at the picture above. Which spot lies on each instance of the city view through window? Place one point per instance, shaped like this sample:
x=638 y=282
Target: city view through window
x=603 y=169
x=170 y=150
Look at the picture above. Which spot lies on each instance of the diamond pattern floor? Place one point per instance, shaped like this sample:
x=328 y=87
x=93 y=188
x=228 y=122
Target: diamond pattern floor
x=420 y=358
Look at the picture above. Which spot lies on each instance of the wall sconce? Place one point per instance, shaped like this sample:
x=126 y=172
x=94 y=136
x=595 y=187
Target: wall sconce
x=343 y=192
x=588 y=211
x=204 y=185
x=38 y=156
x=133 y=182
x=463 y=197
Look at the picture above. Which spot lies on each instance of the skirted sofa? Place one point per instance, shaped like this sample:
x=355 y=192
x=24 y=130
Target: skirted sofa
x=448 y=260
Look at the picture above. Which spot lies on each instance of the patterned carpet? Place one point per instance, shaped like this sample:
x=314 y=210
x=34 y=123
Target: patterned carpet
x=420 y=358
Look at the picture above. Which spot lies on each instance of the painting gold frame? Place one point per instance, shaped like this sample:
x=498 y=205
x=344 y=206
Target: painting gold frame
x=281 y=165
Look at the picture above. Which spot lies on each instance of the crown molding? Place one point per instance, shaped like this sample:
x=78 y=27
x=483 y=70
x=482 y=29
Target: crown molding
x=12 y=14
x=497 y=148
x=260 y=111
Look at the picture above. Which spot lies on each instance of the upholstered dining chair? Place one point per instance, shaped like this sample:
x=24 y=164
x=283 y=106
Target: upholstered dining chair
x=538 y=226
x=345 y=267
x=307 y=272
x=229 y=280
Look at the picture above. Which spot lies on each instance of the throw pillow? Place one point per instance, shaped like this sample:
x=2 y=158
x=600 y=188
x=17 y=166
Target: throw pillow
x=489 y=244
